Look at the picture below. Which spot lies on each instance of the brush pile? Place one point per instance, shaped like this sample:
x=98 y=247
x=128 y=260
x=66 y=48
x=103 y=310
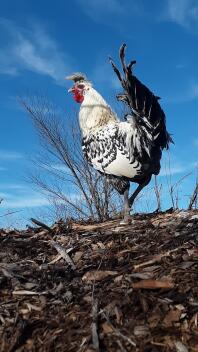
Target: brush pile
x=77 y=287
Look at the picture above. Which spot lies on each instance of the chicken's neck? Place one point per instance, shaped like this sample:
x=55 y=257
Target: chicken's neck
x=94 y=112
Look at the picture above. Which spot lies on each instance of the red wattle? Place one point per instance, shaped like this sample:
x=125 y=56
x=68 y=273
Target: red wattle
x=78 y=97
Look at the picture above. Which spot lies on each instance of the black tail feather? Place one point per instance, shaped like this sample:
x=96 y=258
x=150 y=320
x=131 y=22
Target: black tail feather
x=141 y=101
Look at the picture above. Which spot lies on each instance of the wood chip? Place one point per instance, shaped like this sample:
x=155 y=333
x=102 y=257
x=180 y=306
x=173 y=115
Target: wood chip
x=63 y=253
x=136 y=291
x=94 y=326
x=28 y=293
x=181 y=347
x=107 y=329
x=152 y=284
x=97 y=275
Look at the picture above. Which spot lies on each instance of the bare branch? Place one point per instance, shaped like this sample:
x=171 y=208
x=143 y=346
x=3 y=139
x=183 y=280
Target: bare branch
x=61 y=146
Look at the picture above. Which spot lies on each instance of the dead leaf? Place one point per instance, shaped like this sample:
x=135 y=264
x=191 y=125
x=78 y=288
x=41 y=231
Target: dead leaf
x=97 y=275
x=94 y=247
x=118 y=279
x=172 y=316
x=33 y=307
x=118 y=314
x=101 y=245
x=77 y=256
x=107 y=329
x=28 y=293
x=29 y=285
x=152 y=284
x=180 y=347
x=141 y=330
x=144 y=276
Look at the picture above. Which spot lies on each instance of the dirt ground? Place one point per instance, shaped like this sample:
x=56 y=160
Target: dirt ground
x=101 y=287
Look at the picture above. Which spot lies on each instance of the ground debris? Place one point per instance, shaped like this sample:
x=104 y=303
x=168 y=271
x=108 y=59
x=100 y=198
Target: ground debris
x=81 y=287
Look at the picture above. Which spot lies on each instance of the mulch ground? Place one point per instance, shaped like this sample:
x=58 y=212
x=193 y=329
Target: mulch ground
x=102 y=287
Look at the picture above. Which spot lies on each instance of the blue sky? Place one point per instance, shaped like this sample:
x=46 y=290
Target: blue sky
x=43 y=41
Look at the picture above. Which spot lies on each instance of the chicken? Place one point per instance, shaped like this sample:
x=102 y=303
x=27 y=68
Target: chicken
x=124 y=151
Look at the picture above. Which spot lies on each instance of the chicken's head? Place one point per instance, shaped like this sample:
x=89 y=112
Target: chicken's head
x=81 y=85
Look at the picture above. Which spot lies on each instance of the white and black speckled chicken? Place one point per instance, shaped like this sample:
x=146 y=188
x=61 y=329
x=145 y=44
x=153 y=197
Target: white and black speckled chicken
x=128 y=151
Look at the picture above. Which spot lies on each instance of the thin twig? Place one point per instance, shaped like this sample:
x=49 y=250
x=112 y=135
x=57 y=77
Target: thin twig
x=122 y=349
x=39 y=223
x=28 y=293
x=63 y=253
x=193 y=198
x=94 y=325
x=10 y=213
x=118 y=333
x=157 y=258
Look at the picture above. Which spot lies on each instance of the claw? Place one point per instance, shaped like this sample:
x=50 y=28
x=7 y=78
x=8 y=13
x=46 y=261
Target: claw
x=126 y=221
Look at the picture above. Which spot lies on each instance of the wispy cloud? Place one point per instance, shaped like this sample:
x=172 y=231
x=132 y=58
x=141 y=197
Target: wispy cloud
x=3 y=195
x=181 y=66
x=195 y=142
x=19 y=195
x=25 y=202
x=195 y=164
x=117 y=12
x=32 y=49
x=103 y=74
x=29 y=199
x=172 y=165
x=14 y=186
x=10 y=155
x=97 y=8
x=60 y=167
x=182 y=12
x=2 y=168
x=176 y=169
x=190 y=93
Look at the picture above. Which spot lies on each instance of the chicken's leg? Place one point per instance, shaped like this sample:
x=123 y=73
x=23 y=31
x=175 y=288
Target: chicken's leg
x=128 y=201
x=138 y=190
x=127 y=208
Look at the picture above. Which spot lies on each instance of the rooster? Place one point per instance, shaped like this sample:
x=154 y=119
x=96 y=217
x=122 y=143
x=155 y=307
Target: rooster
x=124 y=151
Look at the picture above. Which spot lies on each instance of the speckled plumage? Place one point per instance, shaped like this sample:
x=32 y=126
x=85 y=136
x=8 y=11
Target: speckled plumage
x=124 y=151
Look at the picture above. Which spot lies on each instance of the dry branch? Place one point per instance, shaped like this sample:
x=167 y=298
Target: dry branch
x=119 y=333
x=63 y=253
x=94 y=326
x=39 y=223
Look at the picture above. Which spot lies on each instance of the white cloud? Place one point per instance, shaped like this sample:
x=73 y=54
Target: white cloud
x=97 y=8
x=60 y=167
x=3 y=195
x=195 y=164
x=15 y=186
x=176 y=169
x=194 y=90
x=180 y=66
x=195 y=142
x=20 y=200
x=171 y=165
x=32 y=49
x=117 y=12
x=103 y=74
x=10 y=155
x=2 y=168
x=26 y=202
x=182 y=12
x=191 y=93
x=31 y=200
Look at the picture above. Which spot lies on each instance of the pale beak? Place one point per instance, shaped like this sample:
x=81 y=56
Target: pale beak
x=70 y=90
